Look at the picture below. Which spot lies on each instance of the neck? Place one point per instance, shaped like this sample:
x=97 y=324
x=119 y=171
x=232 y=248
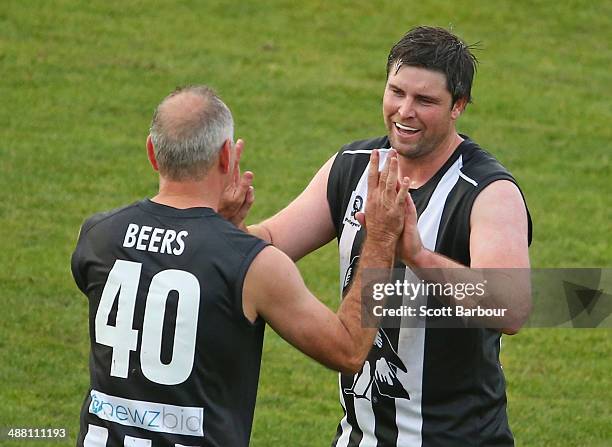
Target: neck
x=421 y=169
x=188 y=194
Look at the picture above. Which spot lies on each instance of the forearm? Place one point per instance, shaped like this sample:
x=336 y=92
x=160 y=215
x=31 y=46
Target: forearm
x=506 y=290
x=377 y=260
x=260 y=231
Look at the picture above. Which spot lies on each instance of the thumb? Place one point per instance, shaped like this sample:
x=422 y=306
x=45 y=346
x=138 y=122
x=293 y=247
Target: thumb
x=360 y=216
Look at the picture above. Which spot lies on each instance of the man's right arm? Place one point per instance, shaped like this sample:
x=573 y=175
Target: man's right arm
x=305 y=224
x=274 y=289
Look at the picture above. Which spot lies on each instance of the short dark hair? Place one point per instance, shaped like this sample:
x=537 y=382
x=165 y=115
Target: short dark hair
x=437 y=49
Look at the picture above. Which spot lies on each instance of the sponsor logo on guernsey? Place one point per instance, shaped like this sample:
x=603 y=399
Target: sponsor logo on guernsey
x=356 y=205
x=152 y=416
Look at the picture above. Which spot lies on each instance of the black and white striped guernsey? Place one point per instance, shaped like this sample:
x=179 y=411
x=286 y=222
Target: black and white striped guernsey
x=447 y=386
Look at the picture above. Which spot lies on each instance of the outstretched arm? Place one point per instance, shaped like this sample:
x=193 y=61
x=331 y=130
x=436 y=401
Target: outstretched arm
x=498 y=240
x=305 y=224
x=274 y=289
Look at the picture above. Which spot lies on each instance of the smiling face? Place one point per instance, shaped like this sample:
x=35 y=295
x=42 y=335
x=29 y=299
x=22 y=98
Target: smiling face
x=417 y=111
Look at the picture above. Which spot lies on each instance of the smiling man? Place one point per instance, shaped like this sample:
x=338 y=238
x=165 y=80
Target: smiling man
x=420 y=386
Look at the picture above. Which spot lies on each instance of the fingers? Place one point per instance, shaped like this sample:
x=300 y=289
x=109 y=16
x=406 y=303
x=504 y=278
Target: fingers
x=246 y=205
x=402 y=194
x=411 y=208
x=246 y=182
x=360 y=217
x=239 y=148
x=389 y=171
x=236 y=169
x=373 y=171
x=384 y=173
x=393 y=173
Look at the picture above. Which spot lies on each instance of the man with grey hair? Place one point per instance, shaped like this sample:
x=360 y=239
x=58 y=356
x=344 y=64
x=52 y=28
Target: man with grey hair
x=183 y=147
x=178 y=296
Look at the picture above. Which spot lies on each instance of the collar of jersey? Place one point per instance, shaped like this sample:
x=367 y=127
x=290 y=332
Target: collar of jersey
x=165 y=210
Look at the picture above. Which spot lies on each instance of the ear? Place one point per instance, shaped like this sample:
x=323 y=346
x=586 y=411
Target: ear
x=225 y=157
x=151 y=153
x=458 y=108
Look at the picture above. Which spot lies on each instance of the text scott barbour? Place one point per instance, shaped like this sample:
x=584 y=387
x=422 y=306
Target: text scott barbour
x=449 y=311
x=411 y=290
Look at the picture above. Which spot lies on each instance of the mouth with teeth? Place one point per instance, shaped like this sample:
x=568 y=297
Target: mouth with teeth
x=405 y=130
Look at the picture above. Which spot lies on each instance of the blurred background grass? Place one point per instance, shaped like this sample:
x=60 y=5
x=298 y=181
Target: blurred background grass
x=80 y=79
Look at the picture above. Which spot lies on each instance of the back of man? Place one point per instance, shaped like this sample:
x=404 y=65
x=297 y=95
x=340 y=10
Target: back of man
x=173 y=360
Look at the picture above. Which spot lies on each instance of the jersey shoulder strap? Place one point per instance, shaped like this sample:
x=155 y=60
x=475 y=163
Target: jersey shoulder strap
x=480 y=169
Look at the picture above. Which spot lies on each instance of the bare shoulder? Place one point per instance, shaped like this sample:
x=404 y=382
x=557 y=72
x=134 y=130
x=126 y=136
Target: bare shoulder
x=269 y=264
x=271 y=275
x=499 y=228
x=501 y=196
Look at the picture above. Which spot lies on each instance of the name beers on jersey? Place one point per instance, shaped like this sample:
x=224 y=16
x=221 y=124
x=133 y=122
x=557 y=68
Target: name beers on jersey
x=155 y=240
x=152 y=416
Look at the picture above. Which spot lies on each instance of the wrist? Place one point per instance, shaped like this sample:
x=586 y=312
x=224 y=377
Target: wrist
x=379 y=249
x=420 y=258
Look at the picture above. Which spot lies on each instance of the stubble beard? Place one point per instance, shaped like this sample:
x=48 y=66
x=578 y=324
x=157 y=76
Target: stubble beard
x=415 y=151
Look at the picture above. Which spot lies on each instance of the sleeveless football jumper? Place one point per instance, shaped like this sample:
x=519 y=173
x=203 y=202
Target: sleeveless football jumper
x=447 y=386
x=174 y=361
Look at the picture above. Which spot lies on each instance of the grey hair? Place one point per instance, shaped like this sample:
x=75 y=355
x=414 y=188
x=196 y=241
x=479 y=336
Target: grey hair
x=187 y=143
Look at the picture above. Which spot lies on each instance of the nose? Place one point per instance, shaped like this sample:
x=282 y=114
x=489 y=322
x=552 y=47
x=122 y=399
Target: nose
x=406 y=109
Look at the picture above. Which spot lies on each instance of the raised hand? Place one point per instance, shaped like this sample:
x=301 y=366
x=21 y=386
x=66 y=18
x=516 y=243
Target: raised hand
x=386 y=202
x=239 y=195
x=410 y=246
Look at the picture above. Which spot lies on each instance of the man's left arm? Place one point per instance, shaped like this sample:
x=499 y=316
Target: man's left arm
x=498 y=240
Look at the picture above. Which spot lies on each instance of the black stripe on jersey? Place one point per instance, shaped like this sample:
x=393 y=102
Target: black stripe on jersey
x=422 y=195
x=356 y=435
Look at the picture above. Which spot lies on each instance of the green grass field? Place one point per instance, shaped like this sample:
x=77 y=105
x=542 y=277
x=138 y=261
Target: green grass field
x=80 y=79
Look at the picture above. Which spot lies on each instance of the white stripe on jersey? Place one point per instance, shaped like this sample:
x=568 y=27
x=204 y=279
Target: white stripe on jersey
x=359 y=151
x=467 y=179
x=411 y=344
x=429 y=221
x=411 y=349
x=463 y=176
x=130 y=441
x=350 y=231
x=98 y=436
x=95 y=437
